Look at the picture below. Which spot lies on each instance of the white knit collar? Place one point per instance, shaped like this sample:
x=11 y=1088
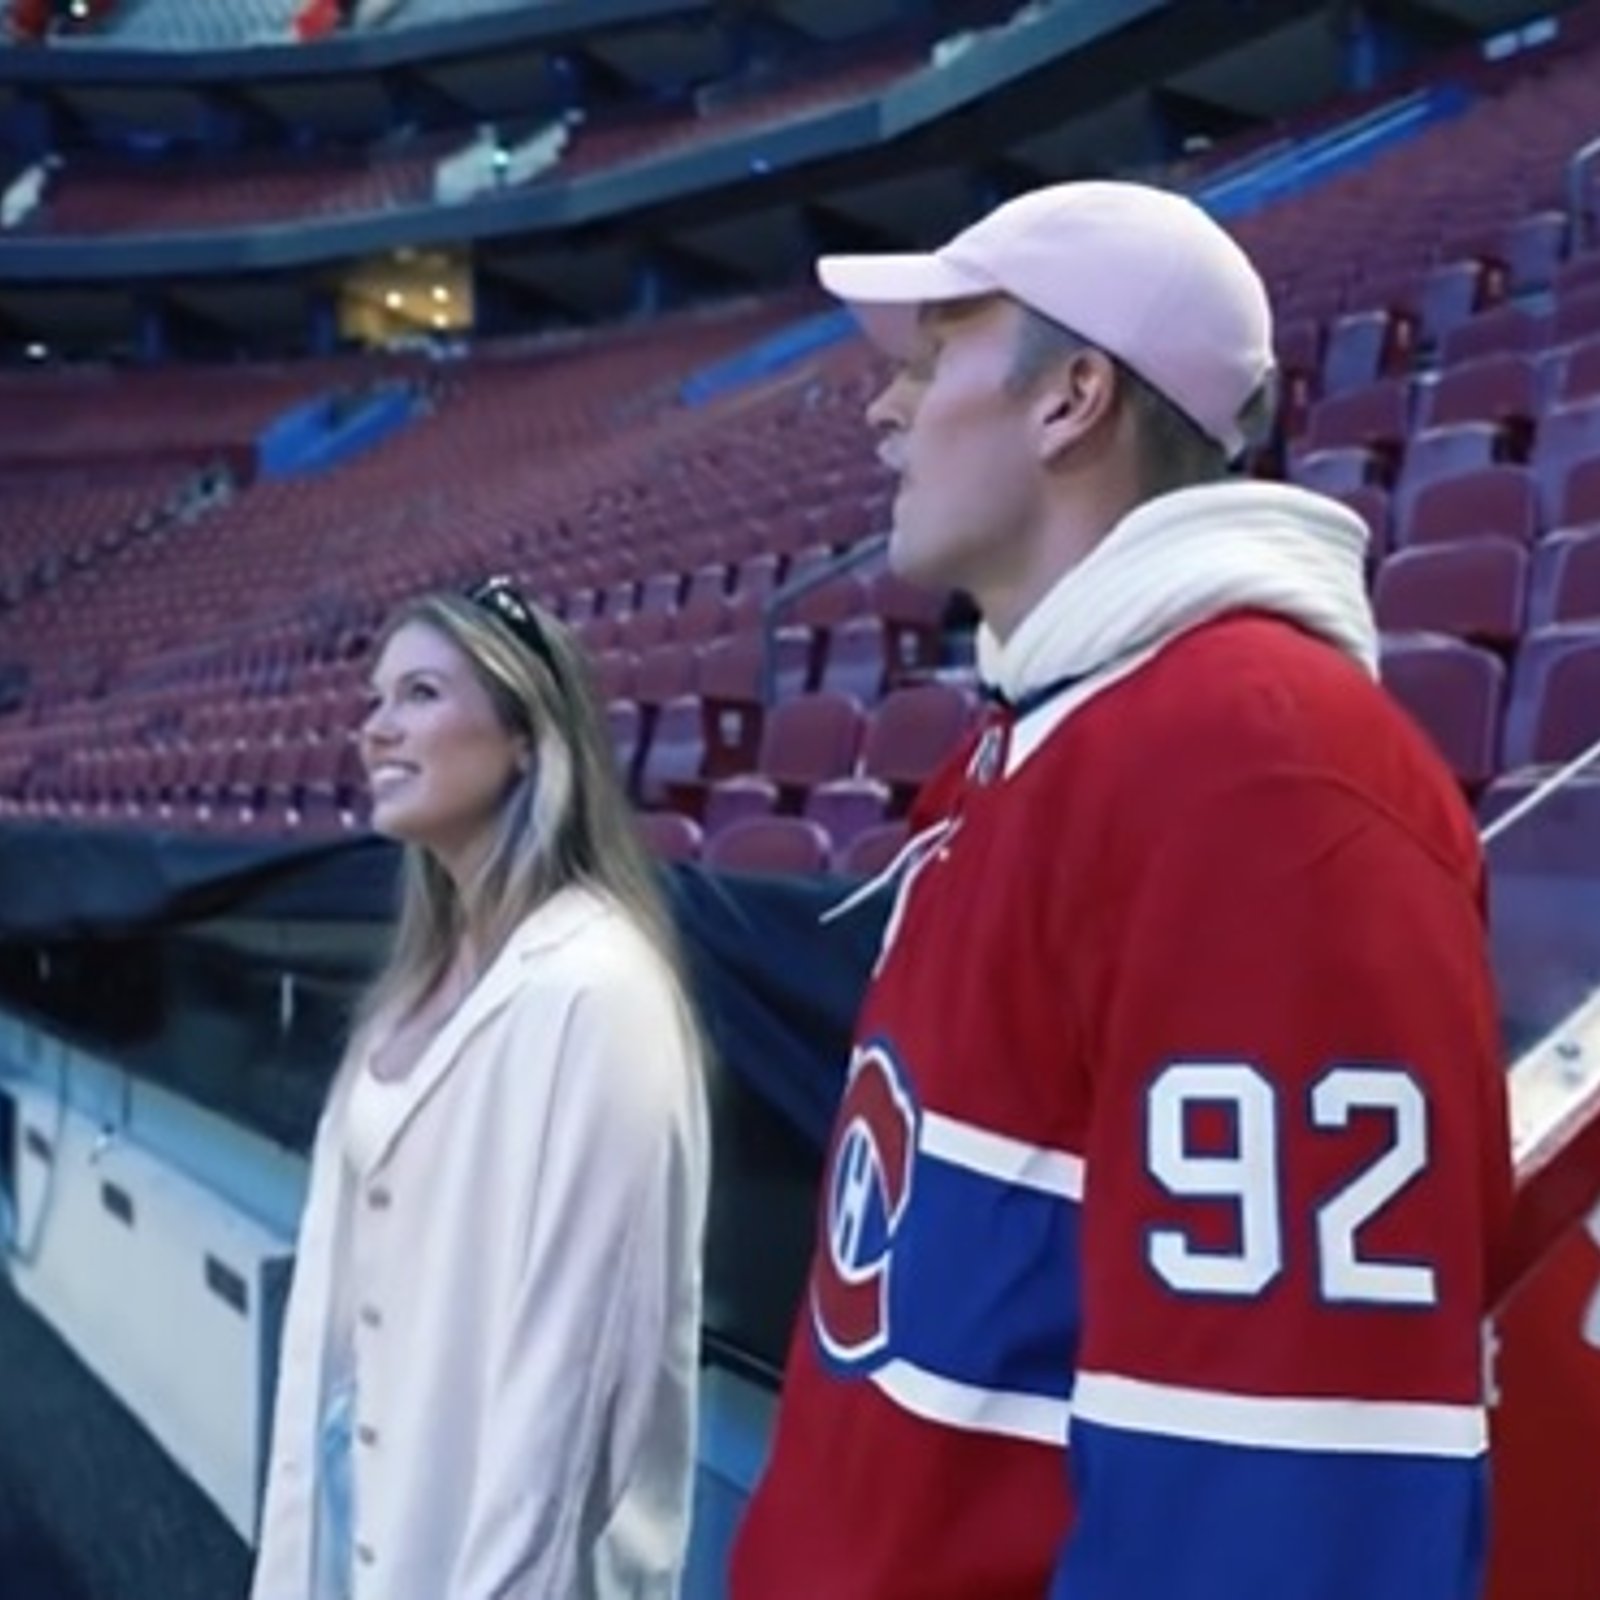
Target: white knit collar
x=1180 y=560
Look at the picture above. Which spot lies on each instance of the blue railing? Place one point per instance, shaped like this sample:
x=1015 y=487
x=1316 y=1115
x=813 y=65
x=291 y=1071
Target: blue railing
x=770 y=356
x=1292 y=166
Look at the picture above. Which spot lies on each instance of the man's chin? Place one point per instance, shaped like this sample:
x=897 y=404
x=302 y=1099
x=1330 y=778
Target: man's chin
x=903 y=554
x=910 y=558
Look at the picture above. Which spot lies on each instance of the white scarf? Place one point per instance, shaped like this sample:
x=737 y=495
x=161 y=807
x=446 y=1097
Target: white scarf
x=1170 y=565
x=1183 y=559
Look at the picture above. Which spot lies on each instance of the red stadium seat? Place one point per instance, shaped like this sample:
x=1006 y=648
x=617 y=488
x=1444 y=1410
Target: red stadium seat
x=1456 y=693
x=805 y=741
x=674 y=751
x=1376 y=416
x=1504 y=330
x=1565 y=581
x=1475 y=589
x=1579 y=371
x=1364 y=346
x=855 y=658
x=1436 y=453
x=1569 y=437
x=665 y=673
x=1499 y=389
x=1577 y=315
x=872 y=850
x=1371 y=504
x=1455 y=291
x=1339 y=472
x=1554 y=710
x=1491 y=502
x=913 y=732
x=790 y=846
x=670 y=836
x=1534 y=248
x=847 y=807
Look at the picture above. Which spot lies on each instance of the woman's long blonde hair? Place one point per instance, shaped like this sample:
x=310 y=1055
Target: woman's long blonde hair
x=565 y=821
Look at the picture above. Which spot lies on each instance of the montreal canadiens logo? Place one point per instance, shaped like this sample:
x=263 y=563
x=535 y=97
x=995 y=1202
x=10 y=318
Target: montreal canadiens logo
x=866 y=1189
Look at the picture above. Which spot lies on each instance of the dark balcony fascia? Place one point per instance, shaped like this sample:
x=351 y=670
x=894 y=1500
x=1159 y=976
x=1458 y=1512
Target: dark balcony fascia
x=348 y=55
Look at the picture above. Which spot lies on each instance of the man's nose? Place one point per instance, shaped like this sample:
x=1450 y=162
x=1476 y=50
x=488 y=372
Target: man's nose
x=891 y=407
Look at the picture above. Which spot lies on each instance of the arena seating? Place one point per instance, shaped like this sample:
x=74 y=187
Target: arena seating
x=207 y=673
x=185 y=25
x=28 y=21
x=91 y=195
x=182 y=25
x=628 y=140
x=99 y=195
x=407 y=13
x=659 y=541
x=88 y=414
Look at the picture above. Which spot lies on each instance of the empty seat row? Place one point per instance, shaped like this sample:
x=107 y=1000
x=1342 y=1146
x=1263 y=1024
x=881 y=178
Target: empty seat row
x=861 y=657
x=1510 y=391
x=704 y=758
x=1486 y=718
x=1491 y=590
x=1461 y=314
x=273 y=787
x=1455 y=488
x=781 y=845
x=706 y=614
x=1568 y=435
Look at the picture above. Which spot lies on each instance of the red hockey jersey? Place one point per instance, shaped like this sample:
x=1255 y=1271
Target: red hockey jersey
x=1155 y=1230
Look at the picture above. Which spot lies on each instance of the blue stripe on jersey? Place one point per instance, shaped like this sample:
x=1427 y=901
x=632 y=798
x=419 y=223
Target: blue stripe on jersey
x=1162 y=1518
x=984 y=1285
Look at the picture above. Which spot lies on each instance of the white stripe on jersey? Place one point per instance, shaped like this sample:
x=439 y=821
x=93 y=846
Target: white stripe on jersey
x=997 y=1155
x=1356 y=1427
x=1034 y=1417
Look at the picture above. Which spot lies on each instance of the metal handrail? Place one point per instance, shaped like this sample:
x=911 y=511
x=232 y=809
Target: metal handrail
x=1281 y=153
x=783 y=597
x=1535 y=799
x=1577 y=195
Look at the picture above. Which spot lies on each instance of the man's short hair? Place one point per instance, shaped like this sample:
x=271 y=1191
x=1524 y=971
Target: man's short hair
x=1174 y=452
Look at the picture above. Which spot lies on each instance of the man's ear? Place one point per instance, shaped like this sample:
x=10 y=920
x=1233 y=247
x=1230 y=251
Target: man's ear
x=1073 y=400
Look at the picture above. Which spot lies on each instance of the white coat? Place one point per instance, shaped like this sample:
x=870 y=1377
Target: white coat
x=523 y=1256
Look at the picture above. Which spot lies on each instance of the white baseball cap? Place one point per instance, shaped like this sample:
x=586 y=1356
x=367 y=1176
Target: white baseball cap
x=1139 y=272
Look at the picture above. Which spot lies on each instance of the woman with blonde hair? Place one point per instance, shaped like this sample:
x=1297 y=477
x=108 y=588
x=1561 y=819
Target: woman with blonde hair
x=487 y=1385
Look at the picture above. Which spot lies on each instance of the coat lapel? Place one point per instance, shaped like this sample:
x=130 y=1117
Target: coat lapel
x=552 y=923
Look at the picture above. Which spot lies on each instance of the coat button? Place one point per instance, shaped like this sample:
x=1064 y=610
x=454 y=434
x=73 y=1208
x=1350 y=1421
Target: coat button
x=366 y=1555
x=366 y=1435
x=370 y=1317
x=379 y=1198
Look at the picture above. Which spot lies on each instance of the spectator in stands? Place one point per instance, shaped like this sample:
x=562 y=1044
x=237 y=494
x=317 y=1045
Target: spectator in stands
x=1177 y=1104
x=29 y=20
x=489 y=1362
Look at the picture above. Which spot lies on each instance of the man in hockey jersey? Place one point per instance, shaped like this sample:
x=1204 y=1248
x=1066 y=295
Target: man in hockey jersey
x=1159 y=1210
